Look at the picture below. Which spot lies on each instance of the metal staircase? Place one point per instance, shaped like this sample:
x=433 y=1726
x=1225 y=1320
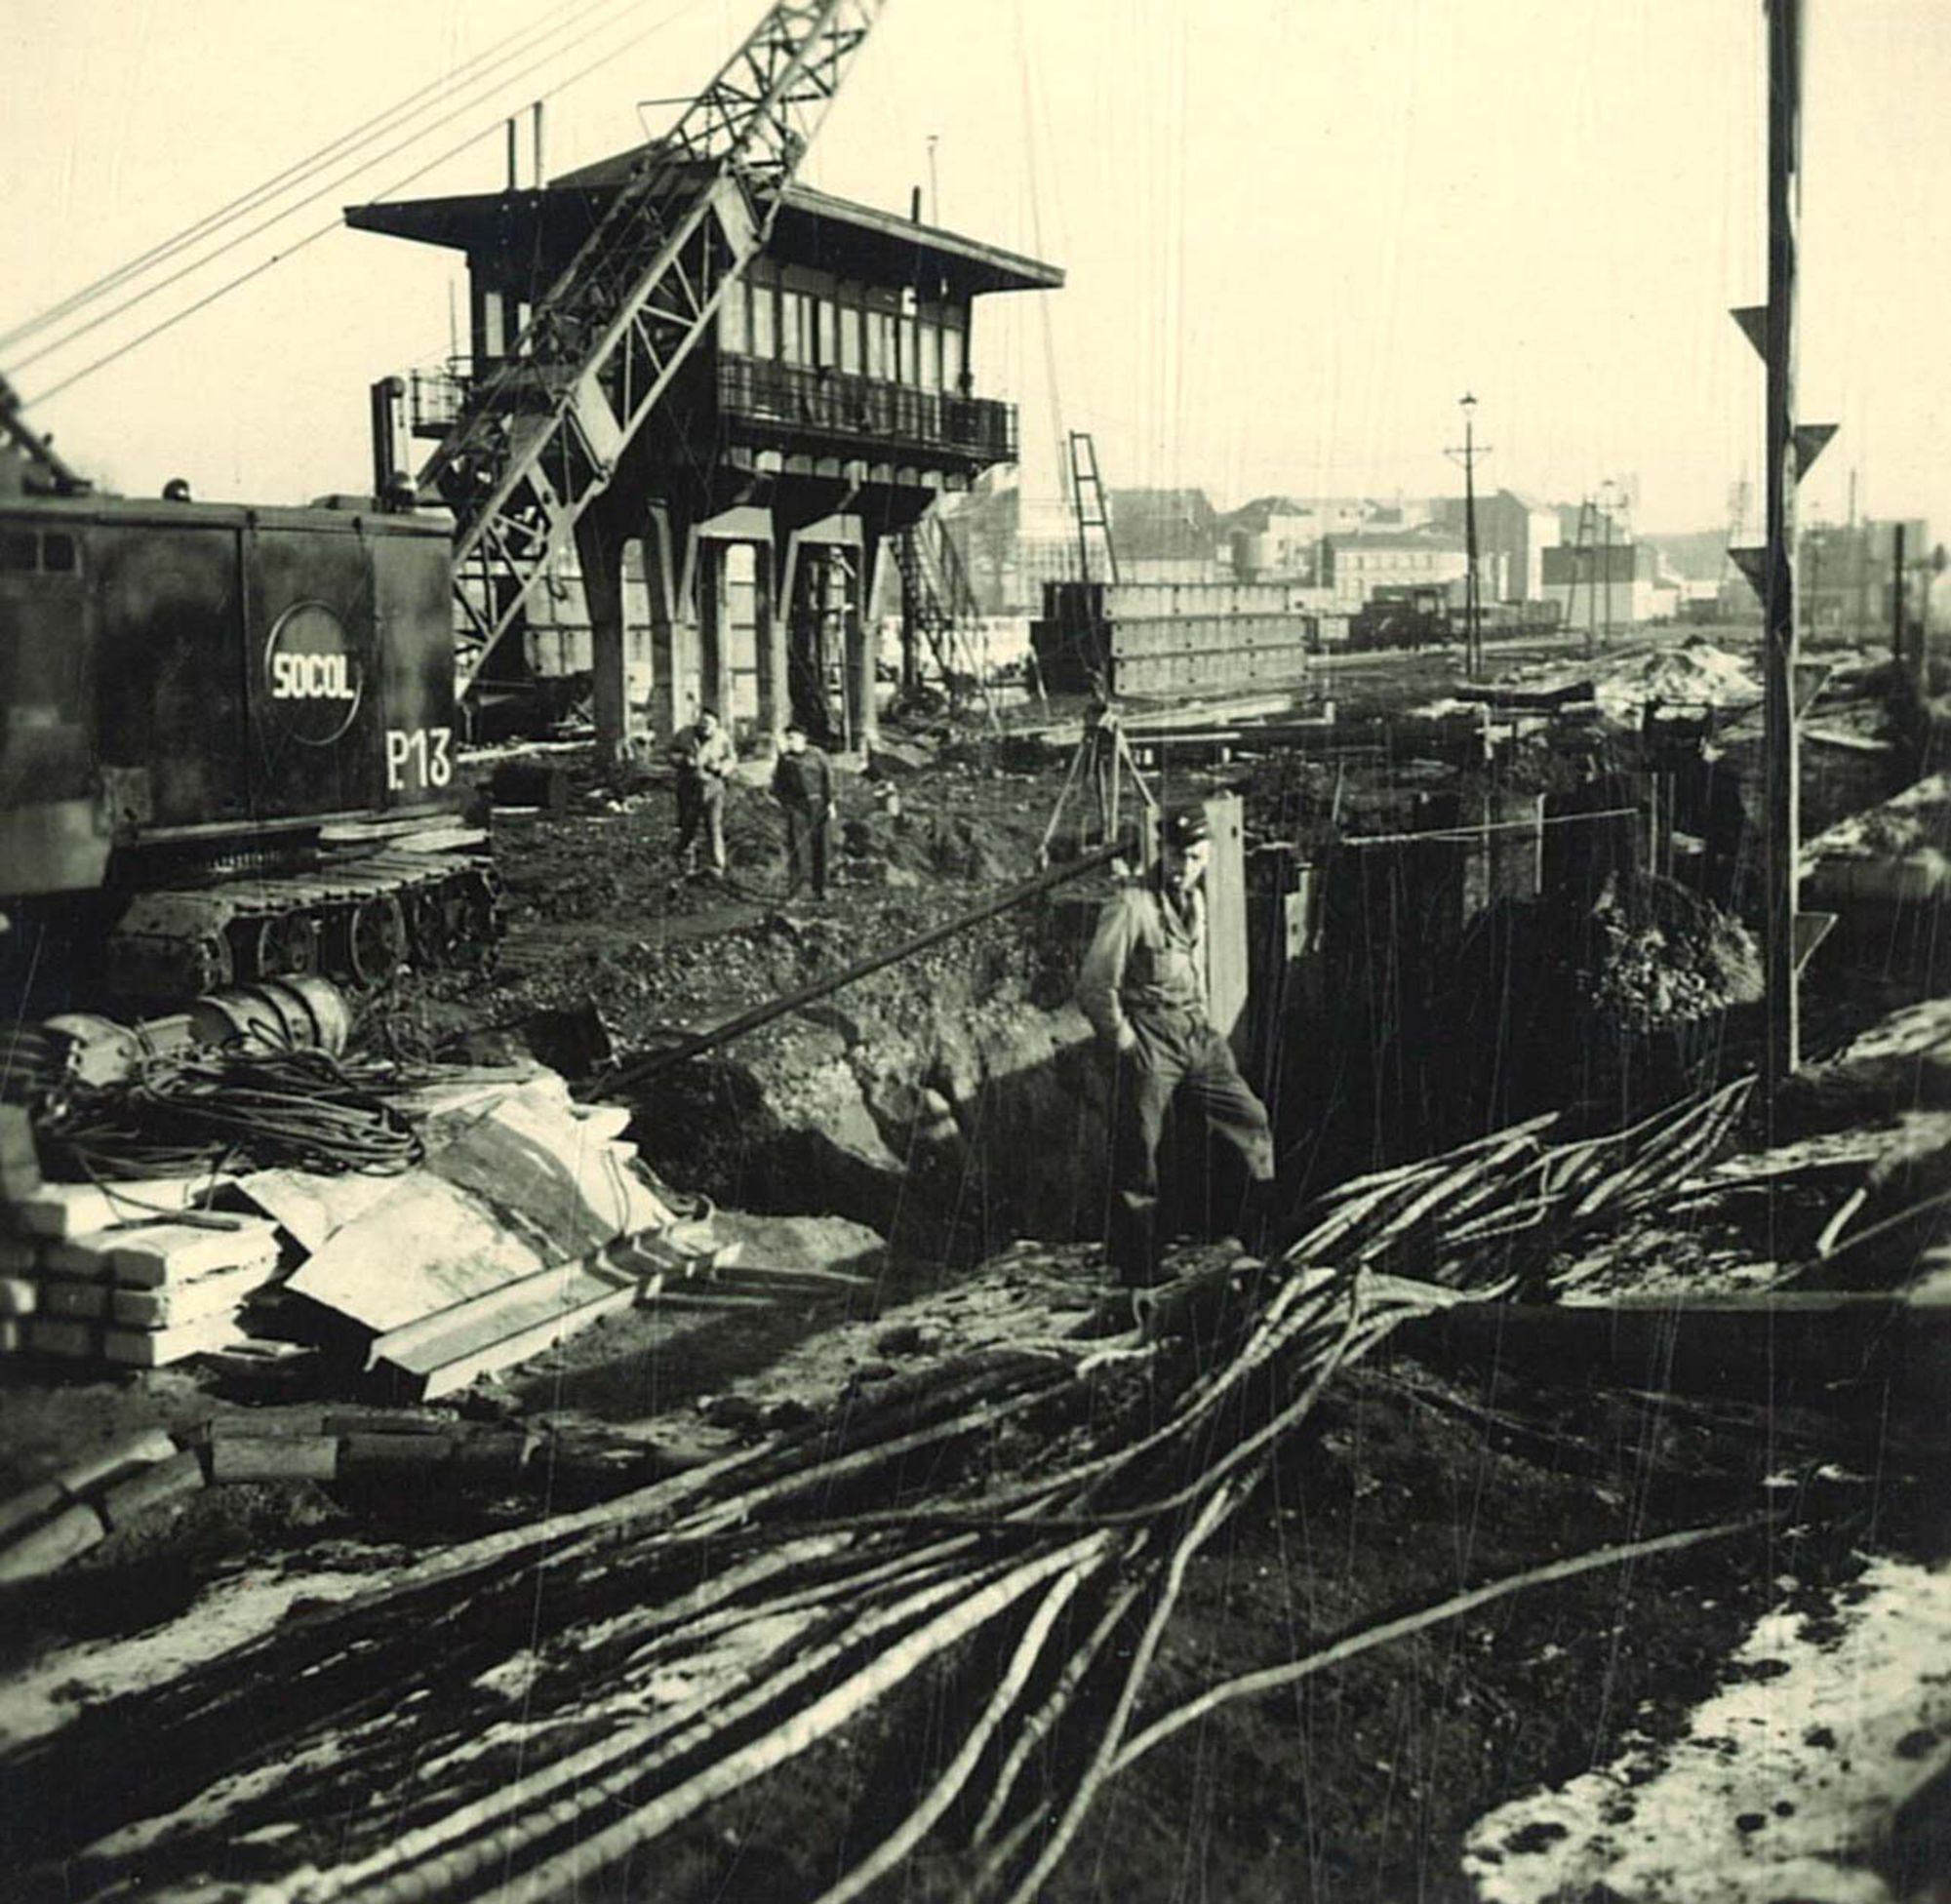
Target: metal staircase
x=540 y=438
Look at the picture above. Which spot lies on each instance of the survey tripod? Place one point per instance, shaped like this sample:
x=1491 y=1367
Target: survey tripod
x=1102 y=761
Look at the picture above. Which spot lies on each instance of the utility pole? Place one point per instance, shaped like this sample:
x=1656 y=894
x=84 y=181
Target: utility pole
x=1792 y=449
x=1606 y=508
x=1782 y=831
x=1898 y=649
x=933 y=186
x=1473 y=604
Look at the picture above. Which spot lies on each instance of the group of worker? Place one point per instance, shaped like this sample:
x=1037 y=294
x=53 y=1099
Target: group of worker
x=1142 y=985
x=705 y=757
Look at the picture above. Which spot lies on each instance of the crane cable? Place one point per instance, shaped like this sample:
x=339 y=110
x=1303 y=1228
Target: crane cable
x=343 y=147
x=324 y=230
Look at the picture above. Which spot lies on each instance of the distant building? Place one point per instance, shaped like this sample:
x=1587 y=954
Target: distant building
x=1169 y=534
x=1279 y=537
x=1609 y=586
x=1846 y=572
x=1354 y=566
x=1513 y=534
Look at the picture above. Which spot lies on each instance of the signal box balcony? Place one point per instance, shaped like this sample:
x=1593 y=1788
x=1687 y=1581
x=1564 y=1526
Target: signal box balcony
x=767 y=402
x=789 y=406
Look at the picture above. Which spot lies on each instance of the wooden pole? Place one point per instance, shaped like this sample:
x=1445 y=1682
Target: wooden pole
x=1782 y=829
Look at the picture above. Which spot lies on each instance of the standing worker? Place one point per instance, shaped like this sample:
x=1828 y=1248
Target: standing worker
x=705 y=759
x=803 y=784
x=1143 y=989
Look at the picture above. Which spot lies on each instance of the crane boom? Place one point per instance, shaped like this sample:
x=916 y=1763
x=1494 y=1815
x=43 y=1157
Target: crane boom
x=538 y=439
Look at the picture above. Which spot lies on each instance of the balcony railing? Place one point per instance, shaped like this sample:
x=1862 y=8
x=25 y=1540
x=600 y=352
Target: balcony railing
x=861 y=411
x=865 y=410
x=435 y=397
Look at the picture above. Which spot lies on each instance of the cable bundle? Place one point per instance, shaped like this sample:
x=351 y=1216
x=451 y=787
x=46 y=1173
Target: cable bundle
x=300 y=1109
x=704 y=1631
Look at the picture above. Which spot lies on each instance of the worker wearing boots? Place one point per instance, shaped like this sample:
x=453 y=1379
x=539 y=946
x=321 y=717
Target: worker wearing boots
x=803 y=785
x=705 y=759
x=1143 y=989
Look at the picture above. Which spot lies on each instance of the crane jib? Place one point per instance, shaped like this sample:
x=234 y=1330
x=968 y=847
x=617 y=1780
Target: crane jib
x=538 y=440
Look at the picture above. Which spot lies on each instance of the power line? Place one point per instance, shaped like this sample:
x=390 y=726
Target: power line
x=263 y=226
x=312 y=237
x=341 y=146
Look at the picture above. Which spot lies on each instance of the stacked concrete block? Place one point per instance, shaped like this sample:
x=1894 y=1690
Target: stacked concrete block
x=131 y=1275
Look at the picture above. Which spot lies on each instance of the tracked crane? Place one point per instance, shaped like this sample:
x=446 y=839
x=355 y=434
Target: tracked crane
x=538 y=440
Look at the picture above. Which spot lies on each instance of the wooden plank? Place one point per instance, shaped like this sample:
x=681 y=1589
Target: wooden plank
x=505 y=1326
x=424 y=1248
x=1226 y=922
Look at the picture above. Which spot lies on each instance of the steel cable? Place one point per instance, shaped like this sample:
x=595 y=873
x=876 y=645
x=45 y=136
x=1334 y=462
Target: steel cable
x=343 y=147
x=312 y=237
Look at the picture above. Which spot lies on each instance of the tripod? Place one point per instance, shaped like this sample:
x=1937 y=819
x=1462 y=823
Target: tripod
x=1102 y=759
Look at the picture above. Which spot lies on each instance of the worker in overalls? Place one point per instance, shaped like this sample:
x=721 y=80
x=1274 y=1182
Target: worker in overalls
x=1143 y=989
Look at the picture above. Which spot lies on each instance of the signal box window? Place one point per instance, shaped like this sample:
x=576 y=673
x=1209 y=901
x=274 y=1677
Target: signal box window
x=734 y=330
x=17 y=552
x=850 y=339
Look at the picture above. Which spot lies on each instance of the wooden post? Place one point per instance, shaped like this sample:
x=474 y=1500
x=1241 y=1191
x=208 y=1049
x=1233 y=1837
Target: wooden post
x=1782 y=828
x=1226 y=960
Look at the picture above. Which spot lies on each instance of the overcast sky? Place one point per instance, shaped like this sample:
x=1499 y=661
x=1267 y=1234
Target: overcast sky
x=1296 y=233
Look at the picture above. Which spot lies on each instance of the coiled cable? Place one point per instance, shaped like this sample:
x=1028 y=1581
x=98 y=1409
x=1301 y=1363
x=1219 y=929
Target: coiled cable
x=185 y=1113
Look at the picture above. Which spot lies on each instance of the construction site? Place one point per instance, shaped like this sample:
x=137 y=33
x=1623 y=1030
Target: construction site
x=727 y=1173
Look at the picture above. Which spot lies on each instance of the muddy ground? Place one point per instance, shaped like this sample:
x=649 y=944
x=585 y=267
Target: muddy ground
x=1437 y=1464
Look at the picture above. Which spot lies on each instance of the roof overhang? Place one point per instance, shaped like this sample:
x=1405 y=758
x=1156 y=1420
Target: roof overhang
x=813 y=228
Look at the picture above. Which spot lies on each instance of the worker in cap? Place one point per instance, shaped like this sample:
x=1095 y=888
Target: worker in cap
x=1143 y=989
x=705 y=759
x=803 y=785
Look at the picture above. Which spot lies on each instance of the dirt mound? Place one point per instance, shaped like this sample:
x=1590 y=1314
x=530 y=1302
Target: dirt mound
x=1660 y=955
x=1588 y=998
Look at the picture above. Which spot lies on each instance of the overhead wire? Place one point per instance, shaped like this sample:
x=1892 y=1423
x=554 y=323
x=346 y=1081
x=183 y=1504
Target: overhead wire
x=321 y=231
x=342 y=146
x=332 y=184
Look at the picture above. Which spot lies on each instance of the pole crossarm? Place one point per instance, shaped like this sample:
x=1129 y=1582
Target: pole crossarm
x=540 y=438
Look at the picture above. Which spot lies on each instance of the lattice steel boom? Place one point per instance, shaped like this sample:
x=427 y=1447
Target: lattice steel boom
x=538 y=440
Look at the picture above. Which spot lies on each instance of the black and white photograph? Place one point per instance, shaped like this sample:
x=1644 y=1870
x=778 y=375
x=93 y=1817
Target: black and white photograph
x=975 y=952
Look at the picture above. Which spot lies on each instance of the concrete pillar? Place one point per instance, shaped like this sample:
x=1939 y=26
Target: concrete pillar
x=668 y=646
x=863 y=650
x=774 y=690
x=1506 y=862
x=601 y=554
x=714 y=648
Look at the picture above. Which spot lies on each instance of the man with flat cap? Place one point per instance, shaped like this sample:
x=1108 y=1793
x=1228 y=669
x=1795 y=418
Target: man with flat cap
x=1143 y=989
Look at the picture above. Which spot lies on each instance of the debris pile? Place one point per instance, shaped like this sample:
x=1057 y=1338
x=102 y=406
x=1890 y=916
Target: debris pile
x=457 y=1219
x=1697 y=674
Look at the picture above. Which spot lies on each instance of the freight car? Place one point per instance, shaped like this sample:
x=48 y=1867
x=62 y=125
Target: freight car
x=226 y=742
